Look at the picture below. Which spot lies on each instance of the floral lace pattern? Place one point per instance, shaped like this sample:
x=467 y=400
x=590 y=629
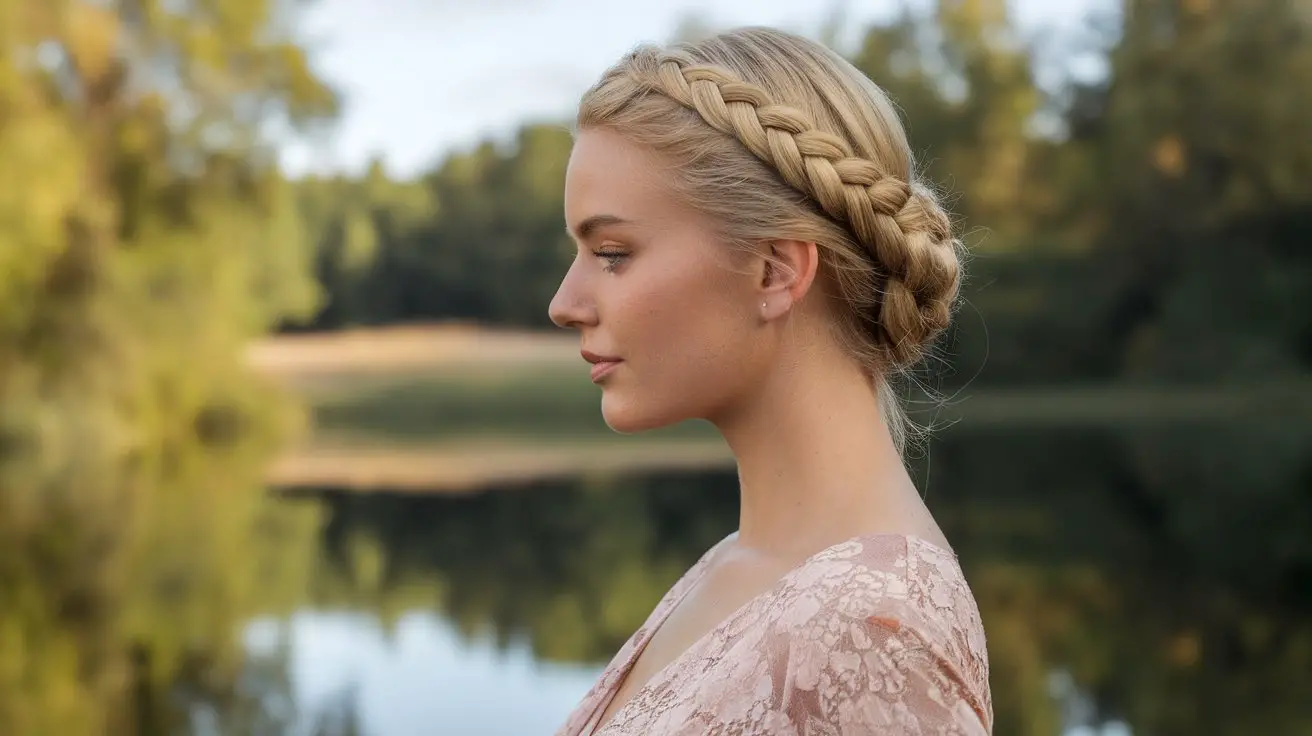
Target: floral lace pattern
x=879 y=634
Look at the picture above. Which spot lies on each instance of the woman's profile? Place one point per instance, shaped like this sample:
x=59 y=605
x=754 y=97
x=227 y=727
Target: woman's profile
x=754 y=250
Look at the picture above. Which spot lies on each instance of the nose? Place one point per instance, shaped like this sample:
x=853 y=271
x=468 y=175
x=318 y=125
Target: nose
x=572 y=306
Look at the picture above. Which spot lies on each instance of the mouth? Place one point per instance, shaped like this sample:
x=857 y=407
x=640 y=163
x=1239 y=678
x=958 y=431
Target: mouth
x=602 y=365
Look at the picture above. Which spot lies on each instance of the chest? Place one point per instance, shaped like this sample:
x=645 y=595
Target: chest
x=720 y=593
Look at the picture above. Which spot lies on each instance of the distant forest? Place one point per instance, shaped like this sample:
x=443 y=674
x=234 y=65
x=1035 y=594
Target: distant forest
x=1147 y=223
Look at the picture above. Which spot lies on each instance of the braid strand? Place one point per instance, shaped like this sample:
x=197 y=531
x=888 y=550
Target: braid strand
x=904 y=232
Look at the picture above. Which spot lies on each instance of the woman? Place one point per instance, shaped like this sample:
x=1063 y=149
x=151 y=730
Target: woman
x=753 y=251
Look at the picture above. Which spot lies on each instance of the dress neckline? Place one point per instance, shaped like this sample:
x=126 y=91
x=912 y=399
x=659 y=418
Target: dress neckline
x=694 y=577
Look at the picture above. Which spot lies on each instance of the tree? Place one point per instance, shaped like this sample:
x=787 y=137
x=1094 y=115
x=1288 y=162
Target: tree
x=1202 y=178
x=963 y=79
x=145 y=236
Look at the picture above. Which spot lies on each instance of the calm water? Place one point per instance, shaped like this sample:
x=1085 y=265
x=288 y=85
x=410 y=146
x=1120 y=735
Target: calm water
x=1150 y=581
x=422 y=676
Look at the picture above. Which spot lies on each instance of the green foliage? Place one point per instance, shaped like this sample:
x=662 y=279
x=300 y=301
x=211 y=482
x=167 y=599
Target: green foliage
x=1201 y=180
x=964 y=82
x=144 y=239
x=1105 y=249
x=361 y=228
x=481 y=238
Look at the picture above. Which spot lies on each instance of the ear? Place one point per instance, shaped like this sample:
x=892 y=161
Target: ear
x=790 y=270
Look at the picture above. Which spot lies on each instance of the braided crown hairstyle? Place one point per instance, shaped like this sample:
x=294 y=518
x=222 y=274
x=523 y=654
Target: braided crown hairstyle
x=774 y=136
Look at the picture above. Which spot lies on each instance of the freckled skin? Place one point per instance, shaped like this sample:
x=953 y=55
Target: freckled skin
x=674 y=308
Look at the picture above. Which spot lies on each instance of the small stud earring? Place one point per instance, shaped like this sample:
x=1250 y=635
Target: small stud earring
x=762 y=305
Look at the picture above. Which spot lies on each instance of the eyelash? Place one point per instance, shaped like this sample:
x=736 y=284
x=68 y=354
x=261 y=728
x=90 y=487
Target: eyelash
x=613 y=260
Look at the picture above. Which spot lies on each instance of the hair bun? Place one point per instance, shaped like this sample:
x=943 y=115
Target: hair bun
x=922 y=276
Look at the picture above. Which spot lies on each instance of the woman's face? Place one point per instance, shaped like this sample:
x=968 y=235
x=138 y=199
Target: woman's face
x=653 y=292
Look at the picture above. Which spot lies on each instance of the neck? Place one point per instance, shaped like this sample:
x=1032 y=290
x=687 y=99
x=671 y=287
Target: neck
x=816 y=461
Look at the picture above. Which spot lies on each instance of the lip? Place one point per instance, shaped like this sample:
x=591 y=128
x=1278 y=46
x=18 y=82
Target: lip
x=602 y=369
x=601 y=364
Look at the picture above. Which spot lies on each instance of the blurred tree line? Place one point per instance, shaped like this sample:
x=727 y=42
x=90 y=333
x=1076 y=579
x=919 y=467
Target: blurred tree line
x=146 y=235
x=1136 y=201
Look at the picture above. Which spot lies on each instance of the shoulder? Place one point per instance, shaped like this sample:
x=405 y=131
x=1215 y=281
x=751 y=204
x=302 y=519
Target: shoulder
x=884 y=628
x=888 y=577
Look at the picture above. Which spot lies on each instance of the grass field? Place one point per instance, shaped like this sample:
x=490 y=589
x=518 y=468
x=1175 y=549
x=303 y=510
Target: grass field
x=526 y=401
x=452 y=407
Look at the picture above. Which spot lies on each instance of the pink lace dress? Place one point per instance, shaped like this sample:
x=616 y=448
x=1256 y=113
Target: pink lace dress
x=877 y=635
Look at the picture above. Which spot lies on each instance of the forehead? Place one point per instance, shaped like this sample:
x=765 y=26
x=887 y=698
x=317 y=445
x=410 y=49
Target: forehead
x=608 y=174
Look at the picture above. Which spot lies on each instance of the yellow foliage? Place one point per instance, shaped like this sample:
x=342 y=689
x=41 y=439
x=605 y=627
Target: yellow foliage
x=91 y=37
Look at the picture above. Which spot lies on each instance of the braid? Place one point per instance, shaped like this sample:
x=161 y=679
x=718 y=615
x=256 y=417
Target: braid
x=900 y=226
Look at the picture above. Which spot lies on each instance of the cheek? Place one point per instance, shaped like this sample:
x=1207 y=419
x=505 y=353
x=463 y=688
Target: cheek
x=688 y=329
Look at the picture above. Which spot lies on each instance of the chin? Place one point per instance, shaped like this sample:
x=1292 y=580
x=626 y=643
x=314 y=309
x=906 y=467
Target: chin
x=626 y=416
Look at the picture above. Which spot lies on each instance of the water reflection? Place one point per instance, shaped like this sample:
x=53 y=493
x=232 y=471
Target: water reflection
x=421 y=676
x=1162 y=579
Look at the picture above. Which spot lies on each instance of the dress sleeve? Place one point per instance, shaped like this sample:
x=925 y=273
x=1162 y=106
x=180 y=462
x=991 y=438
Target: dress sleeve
x=875 y=675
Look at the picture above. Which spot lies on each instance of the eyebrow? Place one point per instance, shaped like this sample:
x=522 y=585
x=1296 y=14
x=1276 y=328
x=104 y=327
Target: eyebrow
x=591 y=224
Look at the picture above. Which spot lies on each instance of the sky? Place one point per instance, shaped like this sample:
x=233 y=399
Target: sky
x=422 y=78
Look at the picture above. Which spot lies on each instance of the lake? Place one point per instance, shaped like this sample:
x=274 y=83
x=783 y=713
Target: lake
x=1153 y=579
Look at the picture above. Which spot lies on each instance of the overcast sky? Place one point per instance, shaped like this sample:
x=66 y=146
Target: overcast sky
x=421 y=77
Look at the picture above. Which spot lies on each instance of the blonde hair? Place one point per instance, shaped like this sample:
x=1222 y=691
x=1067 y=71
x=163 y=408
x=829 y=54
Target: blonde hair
x=773 y=136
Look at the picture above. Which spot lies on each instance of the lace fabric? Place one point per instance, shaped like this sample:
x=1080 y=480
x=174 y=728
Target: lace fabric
x=879 y=634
